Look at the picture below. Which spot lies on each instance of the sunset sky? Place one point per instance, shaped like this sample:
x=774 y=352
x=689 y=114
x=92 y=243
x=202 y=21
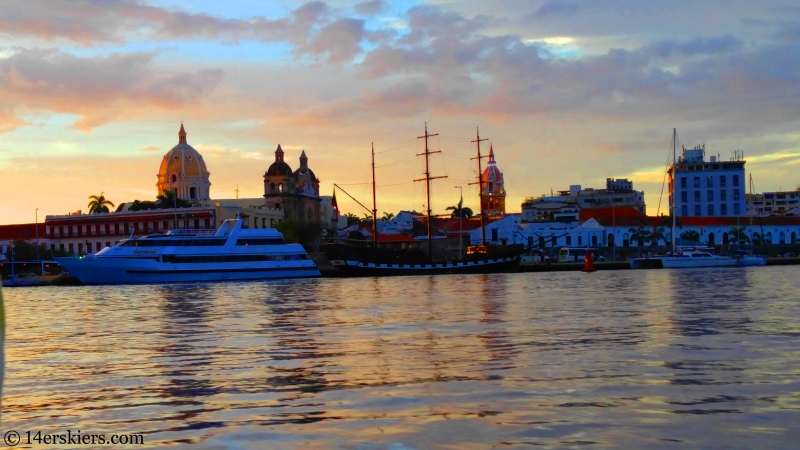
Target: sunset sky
x=92 y=94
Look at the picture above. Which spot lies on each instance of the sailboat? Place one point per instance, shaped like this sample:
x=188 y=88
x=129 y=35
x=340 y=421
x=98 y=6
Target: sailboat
x=371 y=260
x=688 y=257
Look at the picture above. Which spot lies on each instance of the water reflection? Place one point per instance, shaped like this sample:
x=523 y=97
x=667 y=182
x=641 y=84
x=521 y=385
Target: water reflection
x=611 y=359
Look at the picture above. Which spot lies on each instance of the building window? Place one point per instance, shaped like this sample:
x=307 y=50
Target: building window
x=494 y=234
x=710 y=195
x=710 y=181
x=697 y=196
x=697 y=210
x=553 y=241
x=722 y=181
x=192 y=192
x=736 y=180
x=710 y=209
x=71 y=249
x=697 y=182
x=684 y=210
x=723 y=196
x=569 y=240
x=736 y=209
x=580 y=240
x=684 y=197
x=735 y=194
x=272 y=187
x=723 y=209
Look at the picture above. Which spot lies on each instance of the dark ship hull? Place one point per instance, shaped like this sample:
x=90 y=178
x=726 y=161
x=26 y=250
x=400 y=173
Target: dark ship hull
x=368 y=261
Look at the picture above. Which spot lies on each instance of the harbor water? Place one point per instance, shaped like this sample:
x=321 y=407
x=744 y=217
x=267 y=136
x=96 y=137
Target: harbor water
x=617 y=359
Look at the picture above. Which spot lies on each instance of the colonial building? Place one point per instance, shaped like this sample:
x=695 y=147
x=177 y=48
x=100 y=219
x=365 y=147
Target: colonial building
x=295 y=193
x=773 y=203
x=567 y=204
x=183 y=168
x=493 y=194
x=701 y=188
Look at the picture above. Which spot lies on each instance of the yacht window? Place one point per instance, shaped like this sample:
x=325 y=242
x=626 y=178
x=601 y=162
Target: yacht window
x=260 y=241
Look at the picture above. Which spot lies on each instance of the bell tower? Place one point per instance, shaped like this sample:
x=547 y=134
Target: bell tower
x=494 y=191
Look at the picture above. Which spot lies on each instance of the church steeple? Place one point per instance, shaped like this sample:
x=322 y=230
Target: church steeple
x=491 y=154
x=181 y=135
x=279 y=154
x=303 y=160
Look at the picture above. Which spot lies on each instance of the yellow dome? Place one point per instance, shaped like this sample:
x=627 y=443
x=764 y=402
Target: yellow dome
x=183 y=168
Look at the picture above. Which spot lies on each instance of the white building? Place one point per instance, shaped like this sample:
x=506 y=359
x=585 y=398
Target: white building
x=713 y=188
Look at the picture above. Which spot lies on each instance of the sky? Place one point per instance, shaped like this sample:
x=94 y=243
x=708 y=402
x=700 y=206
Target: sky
x=92 y=94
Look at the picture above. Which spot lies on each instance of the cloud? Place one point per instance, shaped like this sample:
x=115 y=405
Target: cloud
x=150 y=148
x=100 y=89
x=556 y=8
x=371 y=8
x=338 y=41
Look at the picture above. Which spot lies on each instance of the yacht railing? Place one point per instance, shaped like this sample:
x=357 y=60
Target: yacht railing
x=191 y=231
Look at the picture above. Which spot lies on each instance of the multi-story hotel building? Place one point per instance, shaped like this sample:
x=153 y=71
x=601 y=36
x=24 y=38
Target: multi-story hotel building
x=707 y=188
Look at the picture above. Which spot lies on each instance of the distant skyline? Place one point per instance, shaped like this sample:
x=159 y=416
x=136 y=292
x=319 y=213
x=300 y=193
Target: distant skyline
x=92 y=94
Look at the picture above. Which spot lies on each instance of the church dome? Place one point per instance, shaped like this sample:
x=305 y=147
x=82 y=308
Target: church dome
x=184 y=169
x=279 y=167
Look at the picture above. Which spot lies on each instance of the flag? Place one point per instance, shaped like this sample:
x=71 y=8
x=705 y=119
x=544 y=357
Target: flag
x=335 y=206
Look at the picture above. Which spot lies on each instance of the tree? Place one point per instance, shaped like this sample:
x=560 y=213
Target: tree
x=463 y=212
x=639 y=235
x=690 y=235
x=351 y=218
x=99 y=204
x=387 y=216
x=145 y=205
x=26 y=251
x=304 y=233
x=759 y=239
x=169 y=199
x=737 y=236
x=660 y=235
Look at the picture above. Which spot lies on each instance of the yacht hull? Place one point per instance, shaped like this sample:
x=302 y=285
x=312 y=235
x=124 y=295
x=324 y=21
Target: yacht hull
x=134 y=271
x=685 y=263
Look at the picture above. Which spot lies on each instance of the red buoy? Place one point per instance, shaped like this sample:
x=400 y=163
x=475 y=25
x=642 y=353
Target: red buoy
x=588 y=266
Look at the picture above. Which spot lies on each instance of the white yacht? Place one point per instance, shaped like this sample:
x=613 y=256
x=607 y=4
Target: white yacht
x=696 y=258
x=232 y=253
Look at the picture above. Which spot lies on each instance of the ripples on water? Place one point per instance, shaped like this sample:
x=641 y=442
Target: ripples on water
x=655 y=359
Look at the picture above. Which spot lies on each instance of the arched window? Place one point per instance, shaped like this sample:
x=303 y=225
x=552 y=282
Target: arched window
x=174 y=178
x=724 y=238
x=272 y=187
x=782 y=237
x=610 y=239
x=553 y=241
x=768 y=237
x=625 y=240
x=711 y=242
x=794 y=237
x=491 y=187
x=280 y=187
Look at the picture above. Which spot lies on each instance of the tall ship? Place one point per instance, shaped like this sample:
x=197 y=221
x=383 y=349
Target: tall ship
x=370 y=260
x=231 y=253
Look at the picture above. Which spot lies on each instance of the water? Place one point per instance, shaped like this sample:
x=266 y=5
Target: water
x=625 y=359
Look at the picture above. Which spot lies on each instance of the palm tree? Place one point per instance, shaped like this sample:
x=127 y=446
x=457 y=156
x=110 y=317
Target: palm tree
x=660 y=235
x=387 y=216
x=351 y=218
x=759 y=239
x=99 y=204
x=639 y=235
x=169 y=199
x=690 y=235
x=738 y=236
x=463 y=212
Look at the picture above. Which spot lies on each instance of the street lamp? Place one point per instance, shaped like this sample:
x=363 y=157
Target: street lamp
x=460 y=219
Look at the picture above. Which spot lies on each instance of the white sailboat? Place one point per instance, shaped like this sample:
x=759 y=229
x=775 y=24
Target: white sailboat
x=688 y=257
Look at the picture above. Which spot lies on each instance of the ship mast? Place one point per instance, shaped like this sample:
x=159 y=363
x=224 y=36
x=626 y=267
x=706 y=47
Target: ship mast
x=374 y=203
x=478 y=141
x=427 y=180
x=674 y=167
